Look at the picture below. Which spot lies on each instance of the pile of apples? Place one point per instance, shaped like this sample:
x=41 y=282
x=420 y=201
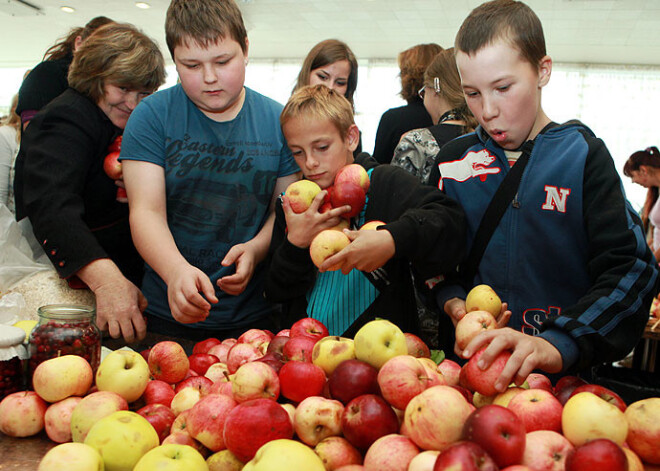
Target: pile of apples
x=350 y=188
x=304 y=400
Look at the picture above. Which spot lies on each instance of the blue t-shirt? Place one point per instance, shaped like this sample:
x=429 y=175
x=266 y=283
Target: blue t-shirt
x=219 y=180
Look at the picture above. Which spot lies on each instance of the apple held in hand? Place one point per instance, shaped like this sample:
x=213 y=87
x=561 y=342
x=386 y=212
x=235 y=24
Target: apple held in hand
x=301 y=194
x=168 y=362
x=172 y=457
x=124 y=372
x=22 y=414
x=354 y=173
x=643 y=418
x=371 y=225
x=379 y=340
x=122 y=438
x=464 y=456
x=499 y=432
x=537 y=409
x=71 y=457
x=58 y=378
x=325 y=244
x=347 y=193
x=252 y=424
x=600 y=454
x=483 y=381
x=586 y=417
x=471 y=325
x=483 y=298
x=112 y=165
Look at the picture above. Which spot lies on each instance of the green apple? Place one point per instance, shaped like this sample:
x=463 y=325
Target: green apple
x=330 y=351
x=378 y=341
x=284 y=455
x=71 y=457
x=122 y=438
x=172 y=457
x=125 y=372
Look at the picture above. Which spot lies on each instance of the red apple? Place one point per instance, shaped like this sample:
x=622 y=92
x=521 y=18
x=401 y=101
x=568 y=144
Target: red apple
x=206 y=420
x=353 y=173
x=471 y=325
x=600 y=454
x=220 y=351
x=301 y=379
x=539 y=381
x=367 y=418
x=537 y=409
x=200 y=362
x=467 y=394
x=546 y=451
x=229 y=341
x=565 y=386
x=168 y=362
x=253 y=423
x=416 y=346
x=392 y=452
x=218 y=372
x=115 y=146
x=158 y=392
x=300 y=195
x=112 y=165
x=22 y=414
x=602 y=392
x=450 y=371
x=179 y=438
x=180 y=424
x=309 y=327
x=276 y=345
x=274 y=360
x=347 y=193
x=201 y=383
x=401 y=378
x=499 y=432
x=254 y=380
x=160 y=417
x=241 y=353
x=57 y=419
x=203 y=346
x=353 y=378
x=145 y=354
x=483 y=381
x=464 y=456
x=257 y=338
x=299 y=349
x=337 y=452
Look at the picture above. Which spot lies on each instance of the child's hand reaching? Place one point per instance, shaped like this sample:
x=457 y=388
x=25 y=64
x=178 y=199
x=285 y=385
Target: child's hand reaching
x=367 y=251
x=528 y=353
x=303 y=227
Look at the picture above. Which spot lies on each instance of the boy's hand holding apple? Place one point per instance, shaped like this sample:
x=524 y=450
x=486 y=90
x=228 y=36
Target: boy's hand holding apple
x=368 y=250
x=304 y=226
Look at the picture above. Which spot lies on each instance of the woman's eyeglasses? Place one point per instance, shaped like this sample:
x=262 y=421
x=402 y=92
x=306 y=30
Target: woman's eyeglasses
x=436 y=87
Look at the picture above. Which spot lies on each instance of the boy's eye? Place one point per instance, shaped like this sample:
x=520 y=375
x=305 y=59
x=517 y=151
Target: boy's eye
x=323 y=147
x=223 y=62
x=471 y=94
x=296 y=153
x=191 y=66
x=503 y=88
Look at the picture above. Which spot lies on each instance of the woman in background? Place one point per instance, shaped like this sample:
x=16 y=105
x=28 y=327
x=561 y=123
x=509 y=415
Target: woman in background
x=10 y=135
x=444 y=101
x=395 y=122
x=333 y=64
x=643 y=167
x=48 y=79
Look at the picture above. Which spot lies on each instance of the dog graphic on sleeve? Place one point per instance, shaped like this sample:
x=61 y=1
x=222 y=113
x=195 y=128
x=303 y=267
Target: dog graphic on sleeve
x=474 y=164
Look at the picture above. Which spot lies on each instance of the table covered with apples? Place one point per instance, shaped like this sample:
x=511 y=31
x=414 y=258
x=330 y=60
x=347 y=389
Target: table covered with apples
x=300 y=399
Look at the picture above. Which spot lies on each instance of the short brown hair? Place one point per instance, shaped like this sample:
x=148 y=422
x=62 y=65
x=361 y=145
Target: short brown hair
x=443 y=70
x=204 y=22
x=510 y=20
x=118 y=54
x=320 y=102
x=325 y=53
x=412 y=64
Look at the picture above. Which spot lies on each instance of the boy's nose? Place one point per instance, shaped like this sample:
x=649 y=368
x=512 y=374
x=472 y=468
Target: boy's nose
x=209 y=74
x=489 y=108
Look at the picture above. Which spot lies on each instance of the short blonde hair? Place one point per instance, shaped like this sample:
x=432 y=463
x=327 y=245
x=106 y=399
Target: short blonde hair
x=204 y=22
x=117 y=54
x=320 y=102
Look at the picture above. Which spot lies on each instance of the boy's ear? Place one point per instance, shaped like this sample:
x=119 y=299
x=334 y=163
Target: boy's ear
x=353 y=137
x=545 y=70
x=247 y=50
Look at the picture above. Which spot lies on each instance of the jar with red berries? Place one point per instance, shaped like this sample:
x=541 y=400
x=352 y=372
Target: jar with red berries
x=12 y=357
x=65 y=329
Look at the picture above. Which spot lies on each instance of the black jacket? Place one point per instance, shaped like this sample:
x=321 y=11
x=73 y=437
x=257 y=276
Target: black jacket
x=429 y=234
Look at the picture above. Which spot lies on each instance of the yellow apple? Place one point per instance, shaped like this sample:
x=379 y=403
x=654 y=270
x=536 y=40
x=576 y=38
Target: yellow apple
x=643 y=419
x=61 y=377
x=224 y=460
x=503 y=398
x=125 y=372
x=371 y=225
x=93 y=408
x=483 y=298
x=330 y=351
x=172 y=457
x=471 y=325
x=325 y=244
x=586 y=417
x=71 y=457
x=379 y=340
x=301 y=194
x=284 y=455
x=122 y=438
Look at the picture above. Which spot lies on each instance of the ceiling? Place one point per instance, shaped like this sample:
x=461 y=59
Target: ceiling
x=583 y=31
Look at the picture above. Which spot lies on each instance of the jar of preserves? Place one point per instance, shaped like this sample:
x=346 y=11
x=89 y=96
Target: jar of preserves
x=65 y=329
x=12 y=356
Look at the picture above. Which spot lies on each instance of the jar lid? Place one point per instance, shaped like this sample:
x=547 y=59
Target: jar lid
x=11 y=336
x=66 y=311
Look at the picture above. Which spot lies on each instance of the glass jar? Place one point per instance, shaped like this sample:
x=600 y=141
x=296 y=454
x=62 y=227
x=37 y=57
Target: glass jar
x=12 y=357
x=65 y=329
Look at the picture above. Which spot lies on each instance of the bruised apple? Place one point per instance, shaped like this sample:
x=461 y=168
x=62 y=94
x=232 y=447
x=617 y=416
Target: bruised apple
x=301 y=194
x=483 y=298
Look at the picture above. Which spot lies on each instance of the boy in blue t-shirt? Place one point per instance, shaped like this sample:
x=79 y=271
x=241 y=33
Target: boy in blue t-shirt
x=203 y=162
